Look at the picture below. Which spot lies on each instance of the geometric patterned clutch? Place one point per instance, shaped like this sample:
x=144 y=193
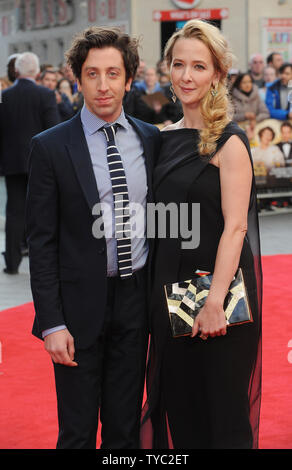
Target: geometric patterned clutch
x=186 y=298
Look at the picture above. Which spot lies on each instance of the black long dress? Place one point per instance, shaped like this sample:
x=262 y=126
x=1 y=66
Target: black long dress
x=201 y=394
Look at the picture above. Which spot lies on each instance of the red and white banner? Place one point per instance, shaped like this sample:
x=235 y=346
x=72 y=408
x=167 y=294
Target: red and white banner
x=185 y=15
x=277 y=23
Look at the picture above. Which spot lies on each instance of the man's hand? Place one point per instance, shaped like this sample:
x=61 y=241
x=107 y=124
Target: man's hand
x=60 y=346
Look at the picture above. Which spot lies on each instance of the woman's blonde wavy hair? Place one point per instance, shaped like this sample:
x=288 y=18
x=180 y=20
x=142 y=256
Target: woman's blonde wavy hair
x=216 y=110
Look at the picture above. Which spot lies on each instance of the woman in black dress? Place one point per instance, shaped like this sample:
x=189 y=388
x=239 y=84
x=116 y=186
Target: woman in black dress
x=204 y=390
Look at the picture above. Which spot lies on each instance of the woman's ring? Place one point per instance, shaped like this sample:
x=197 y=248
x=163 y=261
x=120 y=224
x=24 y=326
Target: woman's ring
x=203 y=337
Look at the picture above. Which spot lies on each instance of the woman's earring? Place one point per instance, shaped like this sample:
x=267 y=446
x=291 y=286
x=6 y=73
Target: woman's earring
x=214 y=92
x=173 y=94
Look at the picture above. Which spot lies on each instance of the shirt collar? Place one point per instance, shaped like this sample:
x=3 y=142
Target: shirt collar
x=93 y=123
x=24 y=78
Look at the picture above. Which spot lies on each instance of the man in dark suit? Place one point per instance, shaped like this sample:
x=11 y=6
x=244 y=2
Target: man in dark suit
x=286 y=142
x=26 y=110
x=89 y=284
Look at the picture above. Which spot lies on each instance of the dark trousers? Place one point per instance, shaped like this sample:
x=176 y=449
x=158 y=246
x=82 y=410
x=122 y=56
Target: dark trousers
x=16 y=187
x=110 y=375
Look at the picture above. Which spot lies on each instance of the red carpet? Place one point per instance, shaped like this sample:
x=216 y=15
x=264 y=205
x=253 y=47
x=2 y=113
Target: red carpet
x=276 y=411
x=28 y=418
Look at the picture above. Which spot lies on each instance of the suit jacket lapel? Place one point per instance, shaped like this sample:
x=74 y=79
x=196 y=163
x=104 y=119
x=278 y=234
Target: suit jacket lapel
x=79 y=153
x=82 y=163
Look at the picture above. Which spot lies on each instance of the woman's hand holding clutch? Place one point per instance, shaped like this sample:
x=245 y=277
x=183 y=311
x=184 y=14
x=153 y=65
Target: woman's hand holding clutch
x=211 y=321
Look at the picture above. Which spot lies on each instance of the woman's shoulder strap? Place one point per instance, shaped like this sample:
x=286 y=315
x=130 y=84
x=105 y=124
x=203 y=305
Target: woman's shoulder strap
x=232 y=128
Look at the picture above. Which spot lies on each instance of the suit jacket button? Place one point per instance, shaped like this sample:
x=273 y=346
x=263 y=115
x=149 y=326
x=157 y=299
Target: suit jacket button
x=101 y=251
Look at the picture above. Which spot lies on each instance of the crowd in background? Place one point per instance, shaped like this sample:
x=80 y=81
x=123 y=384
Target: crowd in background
x=258 y=94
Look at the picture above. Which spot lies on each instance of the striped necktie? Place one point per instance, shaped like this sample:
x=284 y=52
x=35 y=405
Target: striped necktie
x=121 y=203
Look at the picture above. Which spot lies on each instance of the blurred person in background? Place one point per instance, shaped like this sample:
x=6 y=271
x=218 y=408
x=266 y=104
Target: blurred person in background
x=285 y=146
x=59 y=74
x=4 y=83
x=68 y=73
x=231 y=77
x=140 y=74
x=162 y=67
x=257 y=65
x=26 y=110
x=267 y=152
x=48 y=79
x=78 y=99
x=275 y=59
x=164 y=79
x=163 y=73
x=65 y=107
x=277 y=94
x=64 y=86
x=247 y=103
x=164 y=113
x=11 y=72
x=268 y=155
x=43 y=68
x=136 y=107
x=150 y=84
x=286 y=142
x=269 y=77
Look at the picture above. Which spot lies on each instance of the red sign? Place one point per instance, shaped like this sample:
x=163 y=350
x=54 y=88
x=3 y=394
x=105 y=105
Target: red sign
x=279 y=22
x=185 y=15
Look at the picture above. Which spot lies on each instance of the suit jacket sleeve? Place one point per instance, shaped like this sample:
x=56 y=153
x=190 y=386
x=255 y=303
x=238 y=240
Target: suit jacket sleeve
x=42 y=233
x=49 y=113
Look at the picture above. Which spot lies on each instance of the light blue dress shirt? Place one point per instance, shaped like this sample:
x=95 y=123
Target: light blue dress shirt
x=132 y=154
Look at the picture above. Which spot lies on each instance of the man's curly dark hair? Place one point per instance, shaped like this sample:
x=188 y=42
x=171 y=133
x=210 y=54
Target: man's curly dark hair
x=100 y=37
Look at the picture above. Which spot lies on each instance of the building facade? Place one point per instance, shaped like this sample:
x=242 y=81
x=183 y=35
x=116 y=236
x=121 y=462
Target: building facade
x=47 y=27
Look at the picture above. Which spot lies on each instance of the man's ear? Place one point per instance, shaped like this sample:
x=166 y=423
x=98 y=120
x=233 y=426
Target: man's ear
x=79 y=87
x=128 y=84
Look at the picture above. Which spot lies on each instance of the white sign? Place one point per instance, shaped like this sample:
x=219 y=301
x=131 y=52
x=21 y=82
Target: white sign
x=277 y=37
x=186 y=4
